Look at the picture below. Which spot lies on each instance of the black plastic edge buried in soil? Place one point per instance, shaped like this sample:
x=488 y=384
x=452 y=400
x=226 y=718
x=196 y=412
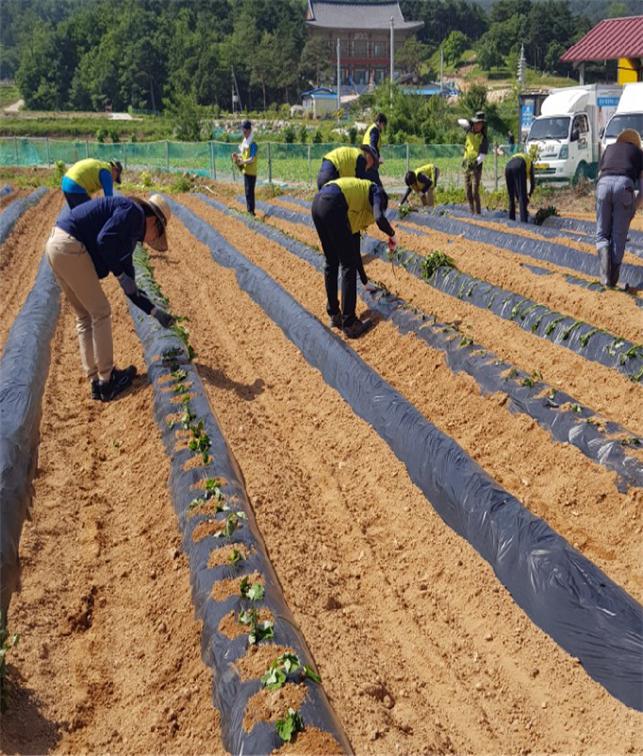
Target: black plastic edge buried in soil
x=587 y=227
x=219 y=652
x=576 y=426
x=563 y=592
x=594 y=344
x=24 y=368
x=10 y=216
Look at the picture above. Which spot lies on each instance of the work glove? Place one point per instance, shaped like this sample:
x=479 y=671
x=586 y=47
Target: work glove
x=480 y=159
x=392 y=243
x=164 y=318
x=464 y=123
x=128 y=284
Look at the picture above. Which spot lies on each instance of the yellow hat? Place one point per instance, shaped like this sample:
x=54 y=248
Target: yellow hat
x=630 y=135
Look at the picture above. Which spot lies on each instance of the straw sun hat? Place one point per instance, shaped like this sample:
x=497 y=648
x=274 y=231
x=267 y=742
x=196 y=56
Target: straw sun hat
x=630 y=135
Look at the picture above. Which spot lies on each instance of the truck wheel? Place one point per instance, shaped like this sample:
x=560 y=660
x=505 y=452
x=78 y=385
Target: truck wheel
x=581 y=174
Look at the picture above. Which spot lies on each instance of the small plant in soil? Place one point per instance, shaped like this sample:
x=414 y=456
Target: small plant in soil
x=403 y=211
x=258 y=630
x=212 y=490
x=543 y=213
x=179 y=374
x=7 y=642
x=181 y=389
x=576 y=408
x=584 y=339
x=172 y=352
x=254 y=592
x=552 y=394
x=284 y=665
x=630 y=441
x=433 y=261
x=466 y=341
x=231 y=524
x=236 y=557
x=288 y=728
x=551 y=326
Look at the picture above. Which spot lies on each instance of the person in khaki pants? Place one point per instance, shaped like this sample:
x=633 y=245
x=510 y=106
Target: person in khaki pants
x=91 y=241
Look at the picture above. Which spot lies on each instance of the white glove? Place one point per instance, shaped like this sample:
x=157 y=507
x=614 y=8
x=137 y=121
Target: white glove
x=479 y=159
x=464 y=123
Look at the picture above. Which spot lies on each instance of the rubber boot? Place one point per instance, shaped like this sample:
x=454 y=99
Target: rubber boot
x=605 y=265
x=614 y=278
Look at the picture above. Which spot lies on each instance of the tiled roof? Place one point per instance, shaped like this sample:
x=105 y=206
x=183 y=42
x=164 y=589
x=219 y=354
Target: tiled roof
x=338 y=14
x=612 y=38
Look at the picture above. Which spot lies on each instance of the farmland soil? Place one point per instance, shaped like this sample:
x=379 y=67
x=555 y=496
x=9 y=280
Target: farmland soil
x=20 y=257
x=420 y=648
x=8 y=199
x=109 y=654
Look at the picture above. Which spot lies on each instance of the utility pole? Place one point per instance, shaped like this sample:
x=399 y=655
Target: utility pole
x=339 y=102
x=235 y=91
x=441 y=69
x=522 y=65
x=392 y=56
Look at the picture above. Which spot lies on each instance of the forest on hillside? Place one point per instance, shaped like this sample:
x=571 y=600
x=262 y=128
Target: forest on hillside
x=163 y=55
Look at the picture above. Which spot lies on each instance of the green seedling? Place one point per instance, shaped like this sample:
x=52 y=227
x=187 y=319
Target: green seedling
x=543 y=213
x=576 y=408
x=616 y=344
x=528 y=381
x=284 y=665
x=254 y=592
x=535 y=325
x=631 y=354
x=179 y=374
x=433 y=261
x=197 y=429
x=117 y=443
x=636 y=376
x=552 y=394
x=212 y=490
x=290 y=726
x=172 y=352
x=258 y=630
x=181 y=389
x=630 y=441
x=186 y=418
x=511 y=374
x=185 y=400
x=403 y=211
x=236 y=557
x=551 y=326
x=527 y=310
x=587 y=336
x=516 y=309
x=492 y=300
x=466 y=341
x=566 y=333
x=7 y=643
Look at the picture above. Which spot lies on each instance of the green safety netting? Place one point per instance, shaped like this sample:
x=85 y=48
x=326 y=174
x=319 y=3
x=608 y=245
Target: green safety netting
x=278 y=161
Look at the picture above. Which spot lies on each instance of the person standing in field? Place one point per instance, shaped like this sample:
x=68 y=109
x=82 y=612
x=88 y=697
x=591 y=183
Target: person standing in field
x=88 y=176
x=246 y=159
x=621 y=165
x=516 y=172
x=91 y=241
x=350 y=162
x=476 y=146
x=423 y=181
x=341 y=209
x=373 y=134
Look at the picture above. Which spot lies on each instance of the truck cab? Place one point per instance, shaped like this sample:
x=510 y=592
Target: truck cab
x=565 y=134
x=628 y=115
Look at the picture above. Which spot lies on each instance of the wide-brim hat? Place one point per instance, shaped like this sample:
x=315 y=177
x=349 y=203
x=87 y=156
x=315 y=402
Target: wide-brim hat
x=246 y=125
x=631 y=136
x=372 y=151
x=161 y=210
x=479 y=117
x=118 y=167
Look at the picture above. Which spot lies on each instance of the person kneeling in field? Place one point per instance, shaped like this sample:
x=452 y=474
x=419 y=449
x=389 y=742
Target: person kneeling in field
x=341 y=209
x=621 y=165
x=88 y=176
x=423 y=181
x=349 y=162
x=516 y=171
x=93 y=240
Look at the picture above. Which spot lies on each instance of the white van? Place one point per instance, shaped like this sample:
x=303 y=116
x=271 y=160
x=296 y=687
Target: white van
x=566 y=131
x=628 y=115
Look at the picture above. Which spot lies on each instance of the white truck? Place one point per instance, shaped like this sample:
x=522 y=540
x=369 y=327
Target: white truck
x=628 y=115
x=566 y=133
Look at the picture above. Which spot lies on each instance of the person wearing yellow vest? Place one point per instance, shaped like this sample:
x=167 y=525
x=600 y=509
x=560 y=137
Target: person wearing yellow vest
x=88 y=176
x=373 y=134
x=422 y=180
x=516 y=172
x=341 y=209
x=350 y=162
x=476 y=146
x=246 y=159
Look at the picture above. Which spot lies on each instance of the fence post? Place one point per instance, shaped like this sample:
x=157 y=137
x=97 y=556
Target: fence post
x=495 y=163
x=48 y=152
x=86 y=148
x=214 y=161
x=310 y=175
x=408 y=164
x=167 y=156
x=124 y=148
x=15 y=148
x=269 y=165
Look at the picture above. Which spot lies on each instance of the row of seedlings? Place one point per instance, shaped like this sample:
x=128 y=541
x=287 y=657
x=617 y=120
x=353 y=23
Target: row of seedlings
x=264 y=682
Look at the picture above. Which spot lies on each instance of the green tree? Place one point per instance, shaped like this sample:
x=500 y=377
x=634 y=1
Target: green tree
x=411 y=56
x=488 y=54
x=316 y=63
x=187 y=114
x=474 y=99
x=264 y=63
x=454 y=45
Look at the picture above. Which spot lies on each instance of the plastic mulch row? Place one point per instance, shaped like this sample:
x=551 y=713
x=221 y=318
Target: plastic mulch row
x=586 y=227
x=563 y=592
x=23 y=373
x=6 y=189
x=16 y=209
x=220 y=652
x=592 y=343
x=580 y=426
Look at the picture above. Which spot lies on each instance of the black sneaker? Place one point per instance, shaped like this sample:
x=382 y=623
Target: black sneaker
x=118 y=382
x=96 y=389
x=356 y=329
x=336 y=321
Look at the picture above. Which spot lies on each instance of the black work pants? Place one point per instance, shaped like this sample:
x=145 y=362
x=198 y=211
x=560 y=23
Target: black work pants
x=76 y=198
x=327 y=173
x=516 y=178
x=341 y=249
x=249 y=185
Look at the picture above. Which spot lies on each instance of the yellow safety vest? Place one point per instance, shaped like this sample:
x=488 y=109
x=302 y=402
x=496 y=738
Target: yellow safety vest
x=85 y=173
x=472 y=144
x=367 y=136
x=360 y=210
x=345 y=160
x=427 y=170
x=526 y=158
x=251 y=168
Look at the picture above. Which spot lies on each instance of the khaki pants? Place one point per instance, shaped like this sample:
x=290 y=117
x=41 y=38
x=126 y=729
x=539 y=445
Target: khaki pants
x=74 y=269
x=472 y=187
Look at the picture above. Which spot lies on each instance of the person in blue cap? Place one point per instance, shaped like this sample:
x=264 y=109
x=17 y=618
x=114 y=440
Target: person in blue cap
x=246 y=159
